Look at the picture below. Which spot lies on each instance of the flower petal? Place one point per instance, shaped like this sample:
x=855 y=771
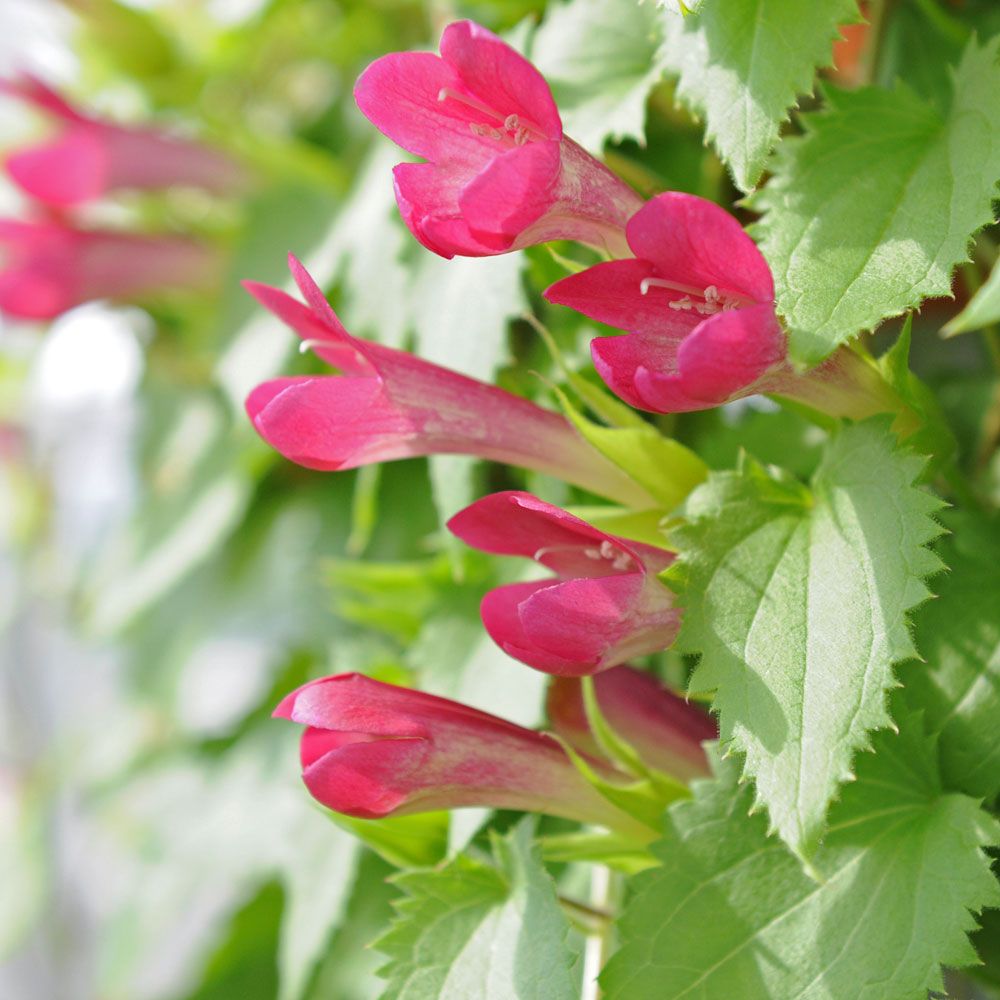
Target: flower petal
x=500 y=610
x=331 y=422
x=69 y=171
x=723 y=359
x=368 y=779
x=617 y=359
x=500 y=77
x=514 y=523
x=695 y=242
x=511 y=193
x=400 y=95
x=427 y=195
x=582 y=620
x=331 y=343
x=612 y=293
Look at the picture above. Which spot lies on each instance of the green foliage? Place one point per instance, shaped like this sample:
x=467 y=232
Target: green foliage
x=599 y=57
x=237 y=576
x=473 y=929
x=743 y=63
x=730 y=913
x=796 y=600
x=982 y=310
x=958 y=636
x=871 y=210
x=663 y=467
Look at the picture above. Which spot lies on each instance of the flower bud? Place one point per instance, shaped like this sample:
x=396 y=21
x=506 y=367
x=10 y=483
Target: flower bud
x=372 y=749
x=666 y=731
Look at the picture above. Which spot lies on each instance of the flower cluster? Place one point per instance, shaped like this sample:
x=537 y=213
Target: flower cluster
x=694 y=298
x=49 y=262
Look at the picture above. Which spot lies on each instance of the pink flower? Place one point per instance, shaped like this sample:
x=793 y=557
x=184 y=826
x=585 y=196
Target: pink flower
x=666 y=731
x=89 y=157
x=606 y=606
x=697 y=300
x=500 y=174
x=48 y=267
x=388 y=404
x=372 y=749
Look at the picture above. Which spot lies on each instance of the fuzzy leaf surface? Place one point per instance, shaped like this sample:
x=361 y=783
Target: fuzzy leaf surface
x=472 y=929
x=959 y=637
x=900 y=869
x=797 y=599
x=870 y=211
x=743 y=63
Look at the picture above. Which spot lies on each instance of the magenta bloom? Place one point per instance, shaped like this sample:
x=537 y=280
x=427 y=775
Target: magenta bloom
x=89 y=157
x=47 y=267
x=372 y=749
x=666 y=731
x=698 y=302
x=388 y=404
x=606 y=605
x=500 y=174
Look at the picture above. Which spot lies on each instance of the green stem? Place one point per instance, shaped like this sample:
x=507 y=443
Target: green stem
x=879 y=16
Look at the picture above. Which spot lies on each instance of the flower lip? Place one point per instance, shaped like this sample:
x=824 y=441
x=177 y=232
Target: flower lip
x=605 y=604
x=552 y=536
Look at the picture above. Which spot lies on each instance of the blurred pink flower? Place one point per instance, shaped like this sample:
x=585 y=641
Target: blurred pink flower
x=665 y=730
x=606 y=606
x=697 y=300
x=372 y=749
x=89 y=157
x=500 y=174
x=388 y=404
x=48 y=267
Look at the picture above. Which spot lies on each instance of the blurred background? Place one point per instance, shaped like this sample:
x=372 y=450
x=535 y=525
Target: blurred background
x=165 y=578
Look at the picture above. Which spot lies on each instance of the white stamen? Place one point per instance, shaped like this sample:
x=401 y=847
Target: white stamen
x=592 y=553
x=511 y=123
x=707 y=301
x=313 y=342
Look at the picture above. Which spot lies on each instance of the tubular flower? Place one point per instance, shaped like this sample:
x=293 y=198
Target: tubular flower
x=48 y=267
x=500 y=174
x=666 y=731
x=372 y=749
x=388 y=404
x=697 y=301
x=606 y=605
x=89 y=157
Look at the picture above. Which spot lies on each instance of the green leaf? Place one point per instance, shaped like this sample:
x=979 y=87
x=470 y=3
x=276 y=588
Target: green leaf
x=478 y=930
x=743 y=63
x=959 y=637
x=869 y=212
x=417 y=841
x=982 y=310
x=900 y=869
x=921 y=421
x=797 y=601
x=599 y=57
x=662 y=466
